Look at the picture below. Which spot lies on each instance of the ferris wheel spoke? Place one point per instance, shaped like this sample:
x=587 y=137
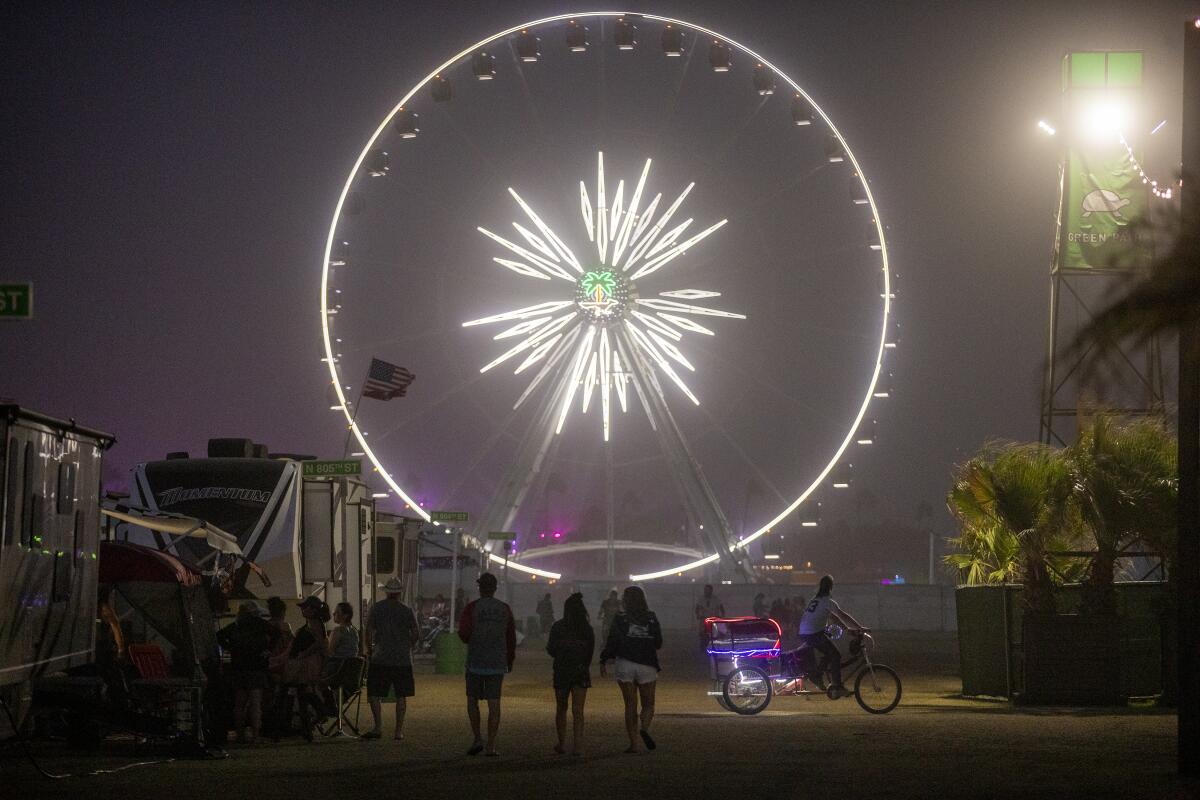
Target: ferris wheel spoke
x=659 y=262
x=648 y=347
x=630 y=216
x=640 y=246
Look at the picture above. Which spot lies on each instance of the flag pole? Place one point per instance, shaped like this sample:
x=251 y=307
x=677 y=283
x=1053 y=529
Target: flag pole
x=353 y=419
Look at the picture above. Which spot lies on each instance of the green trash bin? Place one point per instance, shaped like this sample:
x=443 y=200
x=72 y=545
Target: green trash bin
x=449 y=654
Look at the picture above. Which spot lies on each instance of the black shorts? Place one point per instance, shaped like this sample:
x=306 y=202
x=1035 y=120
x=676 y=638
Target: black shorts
x=484 y=687
x=383 y=677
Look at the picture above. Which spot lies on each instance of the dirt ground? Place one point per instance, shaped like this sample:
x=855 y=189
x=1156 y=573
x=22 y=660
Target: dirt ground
x=934 y=745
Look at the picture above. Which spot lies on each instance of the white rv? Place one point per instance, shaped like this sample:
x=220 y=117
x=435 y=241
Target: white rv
x=49 y=538
x=305 y=535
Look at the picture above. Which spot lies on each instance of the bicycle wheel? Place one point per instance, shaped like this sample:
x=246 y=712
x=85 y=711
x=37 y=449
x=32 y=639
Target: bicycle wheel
x=877 y=689
x=747 y=690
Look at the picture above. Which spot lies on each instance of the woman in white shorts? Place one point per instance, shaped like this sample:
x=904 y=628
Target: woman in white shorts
x=633 y=643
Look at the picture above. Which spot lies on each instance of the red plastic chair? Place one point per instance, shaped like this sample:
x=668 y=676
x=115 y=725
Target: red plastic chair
x=149 y=661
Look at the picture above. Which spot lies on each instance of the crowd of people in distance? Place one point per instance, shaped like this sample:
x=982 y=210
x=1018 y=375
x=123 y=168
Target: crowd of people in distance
x=294 y=672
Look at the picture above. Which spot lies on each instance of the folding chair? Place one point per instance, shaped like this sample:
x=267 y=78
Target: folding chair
x=176 y=700
x=348 y=681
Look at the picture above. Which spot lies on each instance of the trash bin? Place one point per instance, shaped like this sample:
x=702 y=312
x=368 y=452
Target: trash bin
x=449 y=654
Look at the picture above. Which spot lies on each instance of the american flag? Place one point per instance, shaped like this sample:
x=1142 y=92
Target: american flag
x=385 y=381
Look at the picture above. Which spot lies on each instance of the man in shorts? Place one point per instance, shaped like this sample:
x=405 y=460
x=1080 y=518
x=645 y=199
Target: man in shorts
x=487 y=628
x=391 y=635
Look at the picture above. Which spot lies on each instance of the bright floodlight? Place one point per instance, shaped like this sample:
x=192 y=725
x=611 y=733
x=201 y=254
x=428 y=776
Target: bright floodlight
x=603 y=315
x=1046 y=127
x=1104 y=118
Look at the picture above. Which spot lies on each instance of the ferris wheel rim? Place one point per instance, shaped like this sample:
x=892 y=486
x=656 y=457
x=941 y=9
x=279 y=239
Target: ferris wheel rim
x=360 y=435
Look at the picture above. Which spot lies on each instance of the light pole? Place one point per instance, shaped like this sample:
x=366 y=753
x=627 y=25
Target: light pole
x=1187 y=557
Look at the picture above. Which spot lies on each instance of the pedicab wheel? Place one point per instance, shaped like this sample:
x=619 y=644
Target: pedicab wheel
x=747 y=690
x=877 y=689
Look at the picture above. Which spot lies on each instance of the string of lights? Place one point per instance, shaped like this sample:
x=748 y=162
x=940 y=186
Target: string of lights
x=1165 y=194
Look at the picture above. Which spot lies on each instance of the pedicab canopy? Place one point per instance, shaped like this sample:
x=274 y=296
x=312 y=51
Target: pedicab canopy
x=746 y=637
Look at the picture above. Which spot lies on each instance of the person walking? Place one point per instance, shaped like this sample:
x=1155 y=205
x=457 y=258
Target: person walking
x=487 y=628
x=249 y=640
x=571 y=643
x=760 y=605
x=633 y=643
x=608 y=612
x=545 y=612
x=709 y=606
x=392 y=633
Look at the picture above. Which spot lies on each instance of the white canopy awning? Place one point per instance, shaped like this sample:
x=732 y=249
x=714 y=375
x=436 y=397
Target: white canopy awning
x=176 y=525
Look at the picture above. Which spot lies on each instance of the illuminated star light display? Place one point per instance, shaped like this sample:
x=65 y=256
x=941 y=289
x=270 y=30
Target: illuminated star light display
x=602 y=316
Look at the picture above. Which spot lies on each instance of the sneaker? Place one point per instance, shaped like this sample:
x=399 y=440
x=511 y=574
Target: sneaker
x=371 y=735
x=646 y=740
x=838 y=692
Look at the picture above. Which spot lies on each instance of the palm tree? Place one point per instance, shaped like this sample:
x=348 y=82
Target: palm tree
x=1127 y=487
x=1016 y=506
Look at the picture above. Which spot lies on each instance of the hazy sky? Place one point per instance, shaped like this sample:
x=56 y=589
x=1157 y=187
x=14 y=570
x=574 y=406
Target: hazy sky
x=172 y=168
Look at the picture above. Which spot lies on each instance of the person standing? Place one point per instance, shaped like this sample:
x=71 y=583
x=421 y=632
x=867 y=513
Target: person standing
x=760 y=605
x=249 y=640
x=709 y=606
x=392 y=633
x=487 y=628
x=571 y=643
x=608 y=612
x=633 y=643
x=545 y=612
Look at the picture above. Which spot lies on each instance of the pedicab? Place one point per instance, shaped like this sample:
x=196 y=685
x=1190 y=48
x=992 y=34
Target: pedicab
x=750 y=667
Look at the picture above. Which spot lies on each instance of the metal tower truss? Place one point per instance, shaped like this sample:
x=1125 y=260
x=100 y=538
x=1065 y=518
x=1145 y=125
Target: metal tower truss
x=1066 y=391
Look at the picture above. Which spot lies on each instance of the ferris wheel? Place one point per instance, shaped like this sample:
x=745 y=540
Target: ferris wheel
x=643 y=283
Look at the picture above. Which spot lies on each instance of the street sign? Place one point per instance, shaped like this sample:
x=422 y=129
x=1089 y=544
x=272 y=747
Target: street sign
x=16 y=300
x=448 y=516
x=503 y=536
x=329 y=469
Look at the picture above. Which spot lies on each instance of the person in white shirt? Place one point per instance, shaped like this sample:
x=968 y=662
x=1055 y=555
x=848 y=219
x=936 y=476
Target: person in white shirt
x=812 y=631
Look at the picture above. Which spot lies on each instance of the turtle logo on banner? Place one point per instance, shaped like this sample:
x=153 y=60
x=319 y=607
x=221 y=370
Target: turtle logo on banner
x=1104 y=202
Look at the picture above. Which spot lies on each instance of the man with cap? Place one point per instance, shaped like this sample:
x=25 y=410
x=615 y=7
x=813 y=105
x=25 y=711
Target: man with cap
x=391 y=635
x=249 y=640
x=487 y=627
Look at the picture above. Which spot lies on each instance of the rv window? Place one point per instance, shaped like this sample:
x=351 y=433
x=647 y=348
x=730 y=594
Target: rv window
x=385 y=555
x=66 y=488
x=12 y=502
x=27 y=498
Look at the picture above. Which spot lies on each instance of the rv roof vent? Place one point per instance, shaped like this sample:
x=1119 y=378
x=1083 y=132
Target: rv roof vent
x=293 y=456
x=177 y=454
x=260 y=450
x=230 y=448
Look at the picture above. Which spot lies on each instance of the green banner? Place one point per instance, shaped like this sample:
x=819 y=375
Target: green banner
x=1105 y=197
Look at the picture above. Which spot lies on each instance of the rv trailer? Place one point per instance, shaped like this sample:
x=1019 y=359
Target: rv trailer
x=49 y=539
x=305 y=535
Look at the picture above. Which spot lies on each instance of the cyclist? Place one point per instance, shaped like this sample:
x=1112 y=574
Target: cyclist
x=812 y=632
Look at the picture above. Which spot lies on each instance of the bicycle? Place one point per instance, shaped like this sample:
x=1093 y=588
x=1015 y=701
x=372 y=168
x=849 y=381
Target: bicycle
x=761 y=673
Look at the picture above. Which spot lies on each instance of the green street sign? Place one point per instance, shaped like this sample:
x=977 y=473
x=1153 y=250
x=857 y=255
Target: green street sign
x=331 y=469
x=448 y=516
x=503 y=536
x=16 y=300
